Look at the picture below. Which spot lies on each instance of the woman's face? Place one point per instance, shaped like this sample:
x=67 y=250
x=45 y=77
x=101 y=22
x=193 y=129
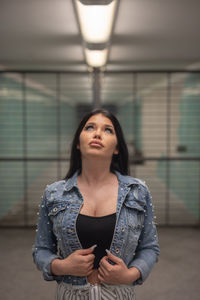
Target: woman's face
x=98 y=137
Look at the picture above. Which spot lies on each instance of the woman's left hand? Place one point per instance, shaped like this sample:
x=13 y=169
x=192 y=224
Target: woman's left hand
x=118 y=273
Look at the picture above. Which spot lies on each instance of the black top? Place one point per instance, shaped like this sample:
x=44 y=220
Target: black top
x=96 y=231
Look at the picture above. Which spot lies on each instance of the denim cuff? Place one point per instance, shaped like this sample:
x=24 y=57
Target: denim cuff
x=142 y=266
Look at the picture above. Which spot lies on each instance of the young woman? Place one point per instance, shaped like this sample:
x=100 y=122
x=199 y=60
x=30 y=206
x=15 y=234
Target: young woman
x=96 y=234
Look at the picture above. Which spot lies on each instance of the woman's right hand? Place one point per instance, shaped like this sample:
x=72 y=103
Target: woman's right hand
x=78 y=263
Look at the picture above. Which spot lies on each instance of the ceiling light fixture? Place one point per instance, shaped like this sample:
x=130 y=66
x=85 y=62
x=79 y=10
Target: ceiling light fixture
x=96 y=22
x=96 y=19
x=96 y=58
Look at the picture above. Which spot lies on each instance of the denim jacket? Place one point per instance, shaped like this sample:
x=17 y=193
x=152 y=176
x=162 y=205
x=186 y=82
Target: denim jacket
x=134 y=240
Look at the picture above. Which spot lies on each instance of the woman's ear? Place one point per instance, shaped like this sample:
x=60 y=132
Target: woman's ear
x=78 y=147
x=116 y=150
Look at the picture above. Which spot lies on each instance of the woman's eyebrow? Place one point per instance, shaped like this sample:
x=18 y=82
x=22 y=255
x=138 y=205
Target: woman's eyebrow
x=93 y=123
x=108 y=125
x=90 y=123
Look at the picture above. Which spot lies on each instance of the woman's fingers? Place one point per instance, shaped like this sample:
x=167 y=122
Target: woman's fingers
x=101 y=274
x=104 y=272
x=112 y=257
x=105 y=265
x=86 y=251
x=90 y=257
x=90 y=266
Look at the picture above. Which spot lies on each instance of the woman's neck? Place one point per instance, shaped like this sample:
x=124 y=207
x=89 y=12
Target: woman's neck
x=95 y=173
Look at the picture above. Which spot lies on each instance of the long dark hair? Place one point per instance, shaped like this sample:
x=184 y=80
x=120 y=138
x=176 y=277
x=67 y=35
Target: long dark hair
x=119 y=161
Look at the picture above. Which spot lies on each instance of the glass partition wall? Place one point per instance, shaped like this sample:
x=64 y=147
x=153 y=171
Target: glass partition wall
x=159 y=113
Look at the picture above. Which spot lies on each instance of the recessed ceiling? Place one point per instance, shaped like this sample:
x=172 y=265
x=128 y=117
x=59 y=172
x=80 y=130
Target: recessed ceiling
x=147 y=35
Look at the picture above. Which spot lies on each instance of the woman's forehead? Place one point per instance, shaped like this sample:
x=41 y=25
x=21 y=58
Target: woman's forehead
x=99 y=118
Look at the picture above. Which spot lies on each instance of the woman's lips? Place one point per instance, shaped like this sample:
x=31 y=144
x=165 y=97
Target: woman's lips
x=96 y=144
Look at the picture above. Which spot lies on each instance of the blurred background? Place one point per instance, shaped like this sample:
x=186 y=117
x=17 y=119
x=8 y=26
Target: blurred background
x=146 y=70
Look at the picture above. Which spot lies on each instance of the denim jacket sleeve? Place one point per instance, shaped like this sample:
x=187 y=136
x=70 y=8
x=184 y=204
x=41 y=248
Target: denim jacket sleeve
x=45 y=247
x=147 y=251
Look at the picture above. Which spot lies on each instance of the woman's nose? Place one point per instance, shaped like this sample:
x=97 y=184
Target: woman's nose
x=97 y=133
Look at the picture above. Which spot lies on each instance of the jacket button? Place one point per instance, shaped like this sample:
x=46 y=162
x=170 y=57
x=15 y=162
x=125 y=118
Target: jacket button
x=117 y=250
x=55 y=209
x=123 y=229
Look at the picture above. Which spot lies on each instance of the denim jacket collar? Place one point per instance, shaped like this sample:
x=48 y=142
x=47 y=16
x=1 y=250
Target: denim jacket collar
x=71 y=182
x=124 y=180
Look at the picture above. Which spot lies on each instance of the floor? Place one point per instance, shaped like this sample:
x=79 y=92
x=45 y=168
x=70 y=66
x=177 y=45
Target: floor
x=175 y=277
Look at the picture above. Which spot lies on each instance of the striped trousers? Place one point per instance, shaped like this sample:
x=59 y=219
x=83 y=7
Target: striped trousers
x=95 y=292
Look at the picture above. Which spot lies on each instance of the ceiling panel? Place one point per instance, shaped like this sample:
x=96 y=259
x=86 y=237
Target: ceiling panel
x=154 y=35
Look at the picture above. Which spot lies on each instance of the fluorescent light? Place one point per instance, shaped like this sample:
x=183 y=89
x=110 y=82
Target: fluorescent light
x=96 y=21
x=96 y=58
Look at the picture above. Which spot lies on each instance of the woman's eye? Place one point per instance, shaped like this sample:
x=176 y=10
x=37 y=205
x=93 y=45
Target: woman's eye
x=109 y=130
x=89 y=127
